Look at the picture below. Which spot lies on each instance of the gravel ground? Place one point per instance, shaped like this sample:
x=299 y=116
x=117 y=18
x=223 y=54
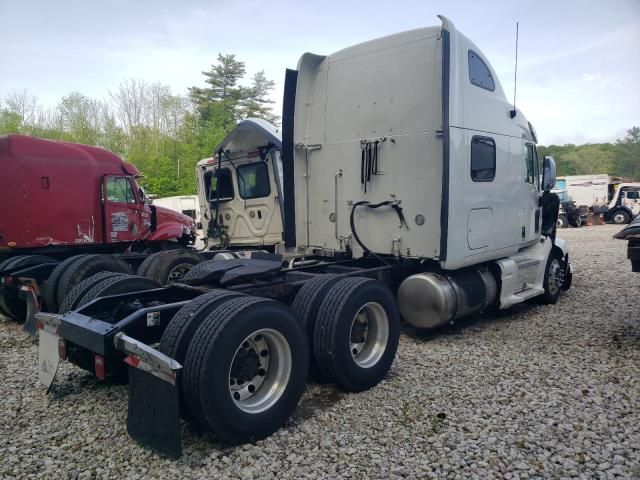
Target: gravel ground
x=535 y=392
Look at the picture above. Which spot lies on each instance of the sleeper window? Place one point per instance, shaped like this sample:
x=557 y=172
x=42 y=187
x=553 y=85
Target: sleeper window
x=253 y=180
x=483 y=159
x=479 y=73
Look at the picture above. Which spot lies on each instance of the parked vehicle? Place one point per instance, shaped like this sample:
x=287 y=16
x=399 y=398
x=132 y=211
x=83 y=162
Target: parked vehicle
x=246 y=211
x=186 y=204
x=631 y=233
x=625 y=203
x=423 y=200
x=569 y=215
x=252 y=223
x=618 y=202
x=62 y=201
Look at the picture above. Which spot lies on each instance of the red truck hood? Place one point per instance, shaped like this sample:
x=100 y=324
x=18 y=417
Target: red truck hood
x=166 y=215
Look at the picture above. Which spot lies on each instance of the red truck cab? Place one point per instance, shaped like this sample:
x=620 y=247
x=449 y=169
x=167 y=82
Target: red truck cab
x=55 y=194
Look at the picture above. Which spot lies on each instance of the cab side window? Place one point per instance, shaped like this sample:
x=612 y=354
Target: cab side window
x=530 y=164
x=253 y=180
x=633 y=195
x=224 y=179
x=119 y=190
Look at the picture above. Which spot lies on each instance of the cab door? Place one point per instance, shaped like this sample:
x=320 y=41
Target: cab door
x=122 y=211
x=260 y=212
x=530 y=210
x=631 y=200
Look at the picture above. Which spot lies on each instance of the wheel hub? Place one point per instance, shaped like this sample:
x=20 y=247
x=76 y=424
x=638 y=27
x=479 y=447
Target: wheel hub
x=369 y=334
x=179 y=271
x=556 y=276
x=260 y=370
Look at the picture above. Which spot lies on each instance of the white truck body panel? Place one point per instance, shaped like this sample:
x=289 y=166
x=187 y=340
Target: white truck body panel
x=587 y=190
x=393 y=87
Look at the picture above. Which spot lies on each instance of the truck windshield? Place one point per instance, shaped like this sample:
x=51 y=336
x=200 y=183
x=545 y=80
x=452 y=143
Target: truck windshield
x=211 y=183
x=253 y=180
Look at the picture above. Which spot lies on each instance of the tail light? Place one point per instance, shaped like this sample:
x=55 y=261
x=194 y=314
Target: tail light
x=99 y=367
x=62 y=349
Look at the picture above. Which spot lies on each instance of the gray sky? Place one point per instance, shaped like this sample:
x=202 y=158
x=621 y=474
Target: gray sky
x=578 y=73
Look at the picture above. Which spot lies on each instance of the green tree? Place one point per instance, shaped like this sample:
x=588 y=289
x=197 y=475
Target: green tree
x=627 y=162
x=222 y=88
x=256 y=102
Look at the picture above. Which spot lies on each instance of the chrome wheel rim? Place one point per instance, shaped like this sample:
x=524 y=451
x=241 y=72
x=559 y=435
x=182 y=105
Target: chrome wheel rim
x=555 y=276
x=618 y=218
x=260 y=371
x=179 y=271
x=369 y=334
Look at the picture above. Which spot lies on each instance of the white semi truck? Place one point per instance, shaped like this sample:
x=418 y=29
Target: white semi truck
x=413 y=185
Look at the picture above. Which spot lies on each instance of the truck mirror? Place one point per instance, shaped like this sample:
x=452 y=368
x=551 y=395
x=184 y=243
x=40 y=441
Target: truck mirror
x=548 y=173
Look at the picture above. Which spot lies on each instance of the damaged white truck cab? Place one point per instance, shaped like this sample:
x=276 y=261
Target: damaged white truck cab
x=246 y=211
x=407 y=146
x=404 y=170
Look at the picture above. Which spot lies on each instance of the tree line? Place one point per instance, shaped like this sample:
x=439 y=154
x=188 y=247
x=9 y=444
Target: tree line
x=165 y=134
x=621 y=158
x=162 y=133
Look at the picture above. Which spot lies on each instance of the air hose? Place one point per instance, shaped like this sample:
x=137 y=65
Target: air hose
x=388 y=203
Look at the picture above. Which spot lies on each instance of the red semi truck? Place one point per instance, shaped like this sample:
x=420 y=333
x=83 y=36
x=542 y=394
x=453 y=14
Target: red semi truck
x=65 y=202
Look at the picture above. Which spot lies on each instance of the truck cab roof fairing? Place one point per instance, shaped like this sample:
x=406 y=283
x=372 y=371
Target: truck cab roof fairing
x=254 y=132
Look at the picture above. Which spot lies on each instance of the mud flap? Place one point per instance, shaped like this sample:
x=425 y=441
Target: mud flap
x=48 y=353
x=33 y=307
x=154 y=414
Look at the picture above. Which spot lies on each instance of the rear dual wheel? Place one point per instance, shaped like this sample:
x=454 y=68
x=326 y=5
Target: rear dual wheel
x=245 y=369
x=352 y=327
x=356 y=333
x=74 y=270
x=11 y=305
x=168 y=266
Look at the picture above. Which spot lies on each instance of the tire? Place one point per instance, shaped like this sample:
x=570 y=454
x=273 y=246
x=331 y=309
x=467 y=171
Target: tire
x=144 y=266
x=562 y=221
x=87 y=267
x=356 y=366
x=177 y=336
x=306 y=305
x=50 y=288
x=212 y=358
x=576 y=221
x=551 y=283
x=122 y=283
x=75 y=295
x=171 y=266
x=620 y=217
x=11 y=305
